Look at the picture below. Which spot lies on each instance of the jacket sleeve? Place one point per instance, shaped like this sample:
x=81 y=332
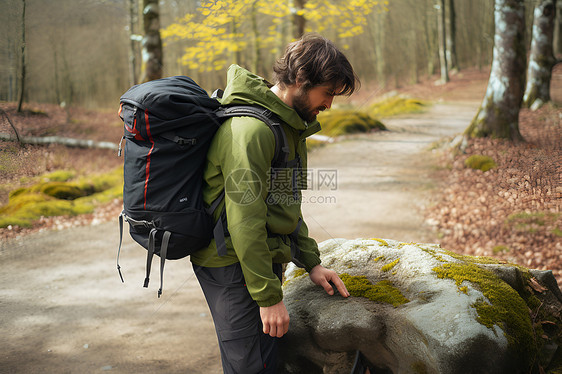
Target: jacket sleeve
x=309 y=254
x=246 y=162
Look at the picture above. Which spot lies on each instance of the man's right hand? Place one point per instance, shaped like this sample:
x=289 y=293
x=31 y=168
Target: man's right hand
x=275 y=319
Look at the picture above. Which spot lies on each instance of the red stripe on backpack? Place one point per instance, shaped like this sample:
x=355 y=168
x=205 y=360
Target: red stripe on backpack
x=148 y=157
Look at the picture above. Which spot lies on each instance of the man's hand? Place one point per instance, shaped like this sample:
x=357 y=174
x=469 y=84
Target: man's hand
x=322 y=277
x=275 y=319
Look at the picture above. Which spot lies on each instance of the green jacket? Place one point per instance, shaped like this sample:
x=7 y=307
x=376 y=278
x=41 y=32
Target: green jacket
x=239 y=161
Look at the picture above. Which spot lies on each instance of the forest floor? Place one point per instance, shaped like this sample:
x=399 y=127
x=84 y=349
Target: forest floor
x=66 y=310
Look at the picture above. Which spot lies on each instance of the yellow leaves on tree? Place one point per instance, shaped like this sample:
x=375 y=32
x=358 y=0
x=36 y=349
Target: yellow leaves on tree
x=221 y=29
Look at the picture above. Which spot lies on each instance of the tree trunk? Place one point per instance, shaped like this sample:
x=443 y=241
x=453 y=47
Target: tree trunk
x=12 y=71
x=236 y=53
x=256 y=40
x=558 y=31
x=298 y=19
x=376 y=30
x=430 y=40
x=541 y=60
x=152 y=57
x=498 y=115
x=56 y=74
x=414 y=59
x=132 y=42
x=442 y=40
x=22 y=78
x=451 y=33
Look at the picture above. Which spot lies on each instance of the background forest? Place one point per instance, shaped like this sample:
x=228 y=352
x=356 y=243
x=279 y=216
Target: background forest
x=80 y=56
x=79 y=51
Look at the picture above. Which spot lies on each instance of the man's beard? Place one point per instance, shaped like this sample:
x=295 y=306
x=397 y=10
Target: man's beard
x=301 y=105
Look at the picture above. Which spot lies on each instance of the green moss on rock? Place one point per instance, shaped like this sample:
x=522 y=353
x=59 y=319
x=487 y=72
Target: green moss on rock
x=49 y=198
x=503 y=306
x=389 y=267
x=381 y=241
x=480 y=162
x=58 y=176
x=341 y=122
x=471 y=259
x=396 y=105
x=382 y=292
x=60 y=190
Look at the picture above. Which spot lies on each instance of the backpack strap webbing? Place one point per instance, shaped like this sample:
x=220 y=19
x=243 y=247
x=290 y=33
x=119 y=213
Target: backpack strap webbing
x=132 y=222
x=151 y=247
x=280 y=158
x=294 y=238
x=120 y=242
x=163 y=253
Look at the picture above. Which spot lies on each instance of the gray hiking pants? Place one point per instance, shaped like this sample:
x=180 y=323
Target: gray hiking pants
x=244 y=348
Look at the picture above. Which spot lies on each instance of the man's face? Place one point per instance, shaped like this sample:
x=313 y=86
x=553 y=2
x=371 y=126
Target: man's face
x=308 y=103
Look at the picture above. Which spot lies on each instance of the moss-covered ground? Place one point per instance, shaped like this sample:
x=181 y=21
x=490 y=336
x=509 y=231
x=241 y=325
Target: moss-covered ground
x=336 y=122
x=60 y=193
x=396 y=105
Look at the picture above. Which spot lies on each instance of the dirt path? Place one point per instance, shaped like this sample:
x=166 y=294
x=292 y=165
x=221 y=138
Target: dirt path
x=383 y=180
x=63 y=308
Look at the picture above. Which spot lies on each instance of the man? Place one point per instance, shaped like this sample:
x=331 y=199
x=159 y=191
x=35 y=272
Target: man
x=243 y=287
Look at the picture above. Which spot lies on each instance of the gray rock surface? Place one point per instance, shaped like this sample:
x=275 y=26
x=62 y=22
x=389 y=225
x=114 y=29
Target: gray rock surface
x=417 y=308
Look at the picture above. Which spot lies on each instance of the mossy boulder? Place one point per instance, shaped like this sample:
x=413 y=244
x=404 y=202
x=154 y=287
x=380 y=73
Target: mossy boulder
x=58 y=176
x=480 y=162
x=395 y=105
x=338 y=122
x=58 y=194
x=417 y=308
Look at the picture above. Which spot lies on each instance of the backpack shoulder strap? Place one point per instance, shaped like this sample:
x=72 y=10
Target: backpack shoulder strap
x=281 y=157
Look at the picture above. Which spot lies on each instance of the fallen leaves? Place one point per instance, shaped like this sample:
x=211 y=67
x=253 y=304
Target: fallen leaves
x=510 y=212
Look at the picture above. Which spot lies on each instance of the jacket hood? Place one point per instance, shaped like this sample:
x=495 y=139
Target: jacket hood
x=244 y=87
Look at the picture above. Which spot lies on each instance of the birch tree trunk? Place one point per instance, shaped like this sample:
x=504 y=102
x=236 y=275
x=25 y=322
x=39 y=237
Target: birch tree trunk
x=151 y=43
x=442 y=40
x=452 y=60
x=541 y=60
x=498 y=115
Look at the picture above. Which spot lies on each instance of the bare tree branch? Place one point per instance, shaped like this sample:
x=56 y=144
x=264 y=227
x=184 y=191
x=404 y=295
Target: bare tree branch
x=4 y=114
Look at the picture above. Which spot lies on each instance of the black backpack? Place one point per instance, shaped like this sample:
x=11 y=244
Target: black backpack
x=169 y=124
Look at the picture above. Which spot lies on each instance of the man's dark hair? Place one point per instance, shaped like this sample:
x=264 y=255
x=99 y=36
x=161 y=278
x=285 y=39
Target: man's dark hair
x=314 y=61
